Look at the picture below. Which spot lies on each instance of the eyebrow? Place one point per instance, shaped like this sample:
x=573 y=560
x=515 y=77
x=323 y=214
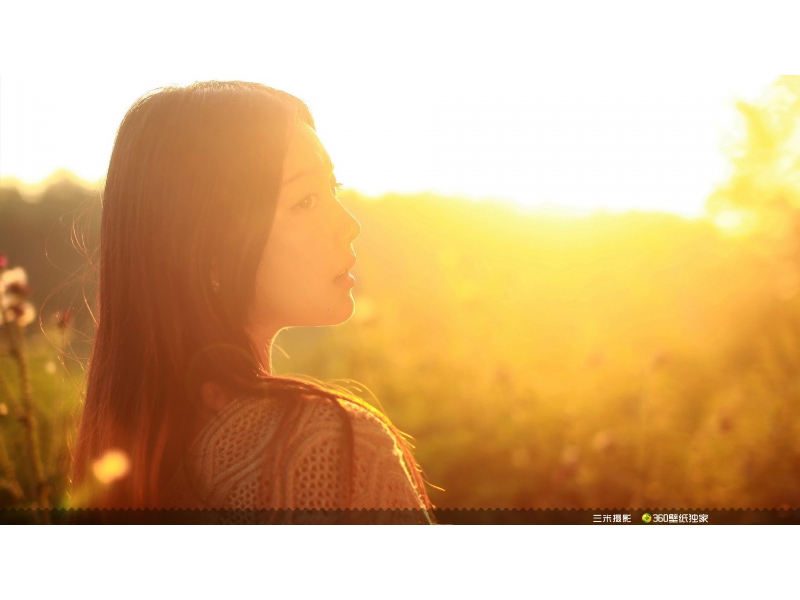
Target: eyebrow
x=306 y=173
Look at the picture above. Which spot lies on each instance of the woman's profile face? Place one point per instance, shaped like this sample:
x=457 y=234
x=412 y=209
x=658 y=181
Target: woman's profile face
x=308 y=247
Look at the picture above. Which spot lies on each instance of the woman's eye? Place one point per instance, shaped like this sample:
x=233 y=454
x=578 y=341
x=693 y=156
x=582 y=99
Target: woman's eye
x=308 y=202
x=336 y=188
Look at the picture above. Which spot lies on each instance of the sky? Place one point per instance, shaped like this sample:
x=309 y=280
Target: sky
x=479 y=104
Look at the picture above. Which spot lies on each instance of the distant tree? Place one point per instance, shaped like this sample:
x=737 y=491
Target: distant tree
x=762 y=197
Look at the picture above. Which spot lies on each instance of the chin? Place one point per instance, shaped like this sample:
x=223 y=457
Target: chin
x=335 y=314
x=347 y=311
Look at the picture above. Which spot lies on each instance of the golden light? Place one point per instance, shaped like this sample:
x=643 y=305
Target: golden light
x=735 y=223
x=113 y=465
x=629 y=144
x=365 y=310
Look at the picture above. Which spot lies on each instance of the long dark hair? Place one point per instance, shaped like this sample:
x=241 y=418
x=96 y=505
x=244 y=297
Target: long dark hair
x=193 y=182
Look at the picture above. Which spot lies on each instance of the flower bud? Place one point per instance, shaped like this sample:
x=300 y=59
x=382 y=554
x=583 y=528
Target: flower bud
x=21 y=313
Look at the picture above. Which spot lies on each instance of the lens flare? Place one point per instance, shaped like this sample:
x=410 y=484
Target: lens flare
x=113 y=465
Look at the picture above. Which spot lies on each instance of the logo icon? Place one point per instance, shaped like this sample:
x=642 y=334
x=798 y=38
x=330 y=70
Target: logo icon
x=646 y=517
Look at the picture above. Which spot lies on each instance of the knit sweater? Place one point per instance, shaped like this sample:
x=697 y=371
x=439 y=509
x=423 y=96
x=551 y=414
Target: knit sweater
x=303 y=463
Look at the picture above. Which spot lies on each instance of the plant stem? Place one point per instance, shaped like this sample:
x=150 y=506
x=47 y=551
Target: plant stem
x=7 y=391
x=28 y=418
x=10 y=482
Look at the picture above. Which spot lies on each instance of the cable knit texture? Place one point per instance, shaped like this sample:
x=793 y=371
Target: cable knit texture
x=301 y=462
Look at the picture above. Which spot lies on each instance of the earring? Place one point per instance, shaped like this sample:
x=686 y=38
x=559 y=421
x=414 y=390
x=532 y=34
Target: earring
x=215 y=285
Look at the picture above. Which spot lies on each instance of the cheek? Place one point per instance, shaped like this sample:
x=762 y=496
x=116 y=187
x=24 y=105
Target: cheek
x=288 y=277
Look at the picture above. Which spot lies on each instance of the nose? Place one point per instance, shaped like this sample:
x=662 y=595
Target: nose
x=351 y=227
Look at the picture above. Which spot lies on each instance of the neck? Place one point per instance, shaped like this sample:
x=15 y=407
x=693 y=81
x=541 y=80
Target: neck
x=263 y=338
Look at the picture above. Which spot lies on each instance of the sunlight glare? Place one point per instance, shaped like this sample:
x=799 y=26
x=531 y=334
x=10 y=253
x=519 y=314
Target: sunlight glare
x=110 y=467
x=579 y=144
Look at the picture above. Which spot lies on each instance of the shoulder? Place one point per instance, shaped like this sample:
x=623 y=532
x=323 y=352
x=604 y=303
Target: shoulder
x=312 y=450
x=344 y=454
x=301 y=416
x=383 y=466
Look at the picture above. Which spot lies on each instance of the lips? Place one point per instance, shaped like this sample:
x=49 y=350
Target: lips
x=347 y=267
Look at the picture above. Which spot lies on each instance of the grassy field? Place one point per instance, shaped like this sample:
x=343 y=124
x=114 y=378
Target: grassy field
x=603 y=361
x=538 y=360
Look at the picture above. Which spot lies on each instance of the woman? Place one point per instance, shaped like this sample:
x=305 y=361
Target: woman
x=220 y=227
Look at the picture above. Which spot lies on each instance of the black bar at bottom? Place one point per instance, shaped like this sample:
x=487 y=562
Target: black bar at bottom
x=598 y=517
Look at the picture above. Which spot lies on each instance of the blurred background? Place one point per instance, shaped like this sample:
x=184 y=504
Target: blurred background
x=576 y=293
